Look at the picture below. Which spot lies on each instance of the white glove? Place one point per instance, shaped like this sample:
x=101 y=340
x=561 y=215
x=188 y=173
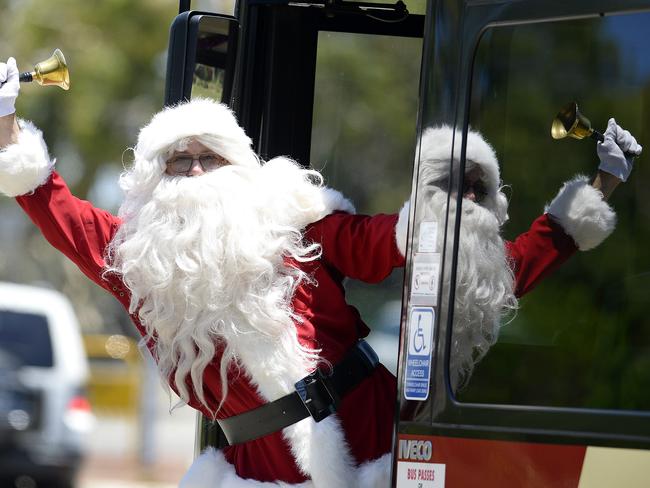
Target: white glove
x=617 y=151
x=9 y=87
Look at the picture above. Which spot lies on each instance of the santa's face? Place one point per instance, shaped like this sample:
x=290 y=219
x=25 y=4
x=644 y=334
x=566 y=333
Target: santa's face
x=194 y=159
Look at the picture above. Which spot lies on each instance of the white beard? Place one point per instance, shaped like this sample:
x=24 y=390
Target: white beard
x=204 y=260
x=484 y=281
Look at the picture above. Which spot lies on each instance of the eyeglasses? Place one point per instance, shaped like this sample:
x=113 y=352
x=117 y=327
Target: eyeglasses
x=477 y=187
x=182 y=165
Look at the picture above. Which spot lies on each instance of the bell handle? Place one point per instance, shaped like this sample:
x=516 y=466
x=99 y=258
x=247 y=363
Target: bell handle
x=26 y=77
x=601 y=138
x=597 y=136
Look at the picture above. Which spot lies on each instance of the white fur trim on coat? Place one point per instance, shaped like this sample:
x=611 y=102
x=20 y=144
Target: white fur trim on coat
x=334 y=200
x=310 y=202
x=328 y=201
x=26 y=165
x=401 y=228
x=211 y=470
x=583 y=214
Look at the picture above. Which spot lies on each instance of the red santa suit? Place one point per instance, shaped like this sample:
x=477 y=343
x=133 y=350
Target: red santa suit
x=353 y=444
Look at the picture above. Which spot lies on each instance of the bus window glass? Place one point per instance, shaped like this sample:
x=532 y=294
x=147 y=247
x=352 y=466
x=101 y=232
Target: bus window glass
x=581 y=338
x=365 y=109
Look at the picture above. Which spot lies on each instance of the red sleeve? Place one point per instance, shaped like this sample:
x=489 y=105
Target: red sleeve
x=358 y=246
x=73 y=226
x=537 y=253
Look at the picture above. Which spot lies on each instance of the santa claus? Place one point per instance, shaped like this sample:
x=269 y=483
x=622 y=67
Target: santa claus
x=231 y=269
x=491 y=273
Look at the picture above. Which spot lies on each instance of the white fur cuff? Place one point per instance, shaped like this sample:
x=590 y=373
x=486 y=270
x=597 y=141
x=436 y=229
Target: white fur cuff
x=401 y=228
x=26 y=165
x=583 y=214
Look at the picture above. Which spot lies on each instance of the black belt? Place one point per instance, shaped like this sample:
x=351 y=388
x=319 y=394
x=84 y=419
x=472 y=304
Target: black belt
x=316 y=395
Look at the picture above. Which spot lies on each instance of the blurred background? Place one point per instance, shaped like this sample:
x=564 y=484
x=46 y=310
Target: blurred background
x=112 y=418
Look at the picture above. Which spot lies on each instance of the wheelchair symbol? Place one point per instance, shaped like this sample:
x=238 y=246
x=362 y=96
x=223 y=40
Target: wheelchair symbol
x=419 y=345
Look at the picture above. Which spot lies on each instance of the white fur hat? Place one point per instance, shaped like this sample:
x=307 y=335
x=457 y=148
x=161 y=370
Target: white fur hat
x=435 y=152
x=200 y=117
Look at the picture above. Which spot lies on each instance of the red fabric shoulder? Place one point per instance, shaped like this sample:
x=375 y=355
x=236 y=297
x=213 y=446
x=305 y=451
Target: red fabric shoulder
x=359 y=246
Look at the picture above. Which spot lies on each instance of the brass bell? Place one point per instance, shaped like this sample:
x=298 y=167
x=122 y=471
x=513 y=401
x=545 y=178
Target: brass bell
x=570 y=122
x=52 y=71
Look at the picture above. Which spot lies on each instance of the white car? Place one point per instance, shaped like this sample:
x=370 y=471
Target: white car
x=44 y=414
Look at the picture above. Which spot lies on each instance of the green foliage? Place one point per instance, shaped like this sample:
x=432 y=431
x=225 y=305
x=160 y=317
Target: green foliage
x=365 y=115
x=116 y=53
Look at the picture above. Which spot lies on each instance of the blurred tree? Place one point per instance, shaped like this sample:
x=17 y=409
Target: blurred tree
x=116 y=52
x=364 y=143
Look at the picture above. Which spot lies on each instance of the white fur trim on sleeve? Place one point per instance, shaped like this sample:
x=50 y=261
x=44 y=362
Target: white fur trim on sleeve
x=333 y=200
x=317 y=203
x=583 y=214
x=401 y=228
x=26 y=165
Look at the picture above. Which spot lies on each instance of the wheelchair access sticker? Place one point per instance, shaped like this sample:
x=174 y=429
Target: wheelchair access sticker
x=418 y=356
